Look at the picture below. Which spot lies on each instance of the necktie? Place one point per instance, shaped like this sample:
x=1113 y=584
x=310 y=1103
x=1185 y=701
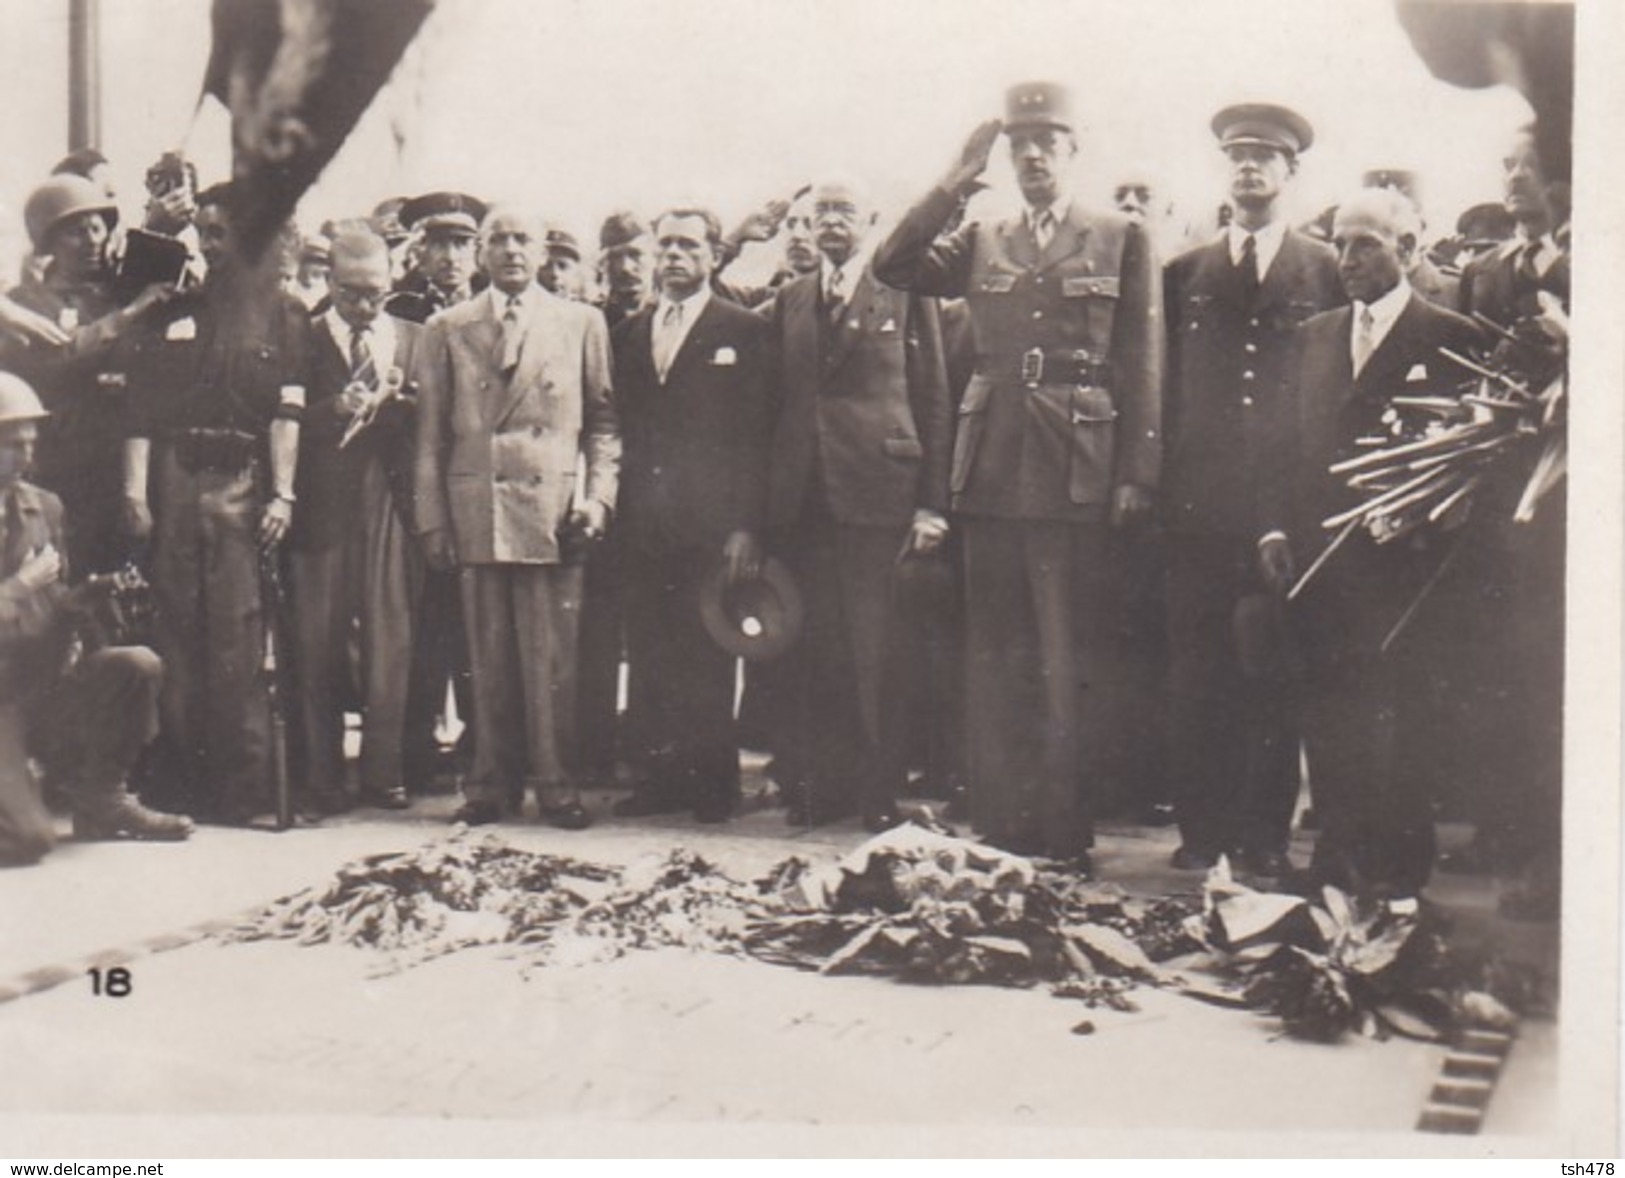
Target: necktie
x=1249 y=267
x=1526 y=268
x=835 y=296
x=512 y=336
x=1043 y=228
x=666 y=339
x=363 y=371
x=1364 y=341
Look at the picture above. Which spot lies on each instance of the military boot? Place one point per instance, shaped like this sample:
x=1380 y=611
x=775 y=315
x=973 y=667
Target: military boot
x=121 y=815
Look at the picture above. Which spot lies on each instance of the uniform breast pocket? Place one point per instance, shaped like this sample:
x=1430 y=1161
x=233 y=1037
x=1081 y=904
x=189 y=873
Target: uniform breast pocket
x=995 y=283
x=1096 y=296
x=1093 y=433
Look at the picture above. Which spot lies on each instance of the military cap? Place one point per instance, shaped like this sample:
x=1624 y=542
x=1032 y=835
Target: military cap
x=386 y=219
x=562 y=241
x=1263 y=124
x=1486 y=223
x=619 y=228
x=318 y=248
x=1037 y=104
x=444 y=210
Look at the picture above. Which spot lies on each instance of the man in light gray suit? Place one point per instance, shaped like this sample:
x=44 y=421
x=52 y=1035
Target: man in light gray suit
x=514 y=387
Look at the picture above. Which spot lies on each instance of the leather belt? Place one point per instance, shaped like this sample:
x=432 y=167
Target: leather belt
x=1041 y=366
x=224 y=450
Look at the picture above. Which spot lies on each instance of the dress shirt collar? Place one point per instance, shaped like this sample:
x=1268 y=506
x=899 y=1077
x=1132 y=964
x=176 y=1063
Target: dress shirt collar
x=1546 y=249
x=380 y=336
x=1060 y=210
x=527 y=298
x=1266 y=242
x=851 y=270
x=1384 y=311
x=693 y=306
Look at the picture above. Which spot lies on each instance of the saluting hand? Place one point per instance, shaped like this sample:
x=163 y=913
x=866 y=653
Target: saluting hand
x=964 y=177
x=764 y=222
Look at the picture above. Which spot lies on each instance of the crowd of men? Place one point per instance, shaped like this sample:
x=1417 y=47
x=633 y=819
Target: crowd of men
x=1028 y=485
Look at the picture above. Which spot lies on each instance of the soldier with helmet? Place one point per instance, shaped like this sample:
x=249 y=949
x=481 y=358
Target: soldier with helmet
x=1059 y=442
x=84 y=711
x=70 y=220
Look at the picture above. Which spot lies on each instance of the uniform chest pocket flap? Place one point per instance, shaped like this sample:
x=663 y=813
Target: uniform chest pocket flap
x=997 y=283
x=1090 y=286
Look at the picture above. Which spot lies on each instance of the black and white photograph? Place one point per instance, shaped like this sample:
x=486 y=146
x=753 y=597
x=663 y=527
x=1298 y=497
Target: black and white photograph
x=609 y=578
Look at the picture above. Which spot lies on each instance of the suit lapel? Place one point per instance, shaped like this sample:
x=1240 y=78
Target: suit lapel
x=482 y=335
x=697 y=343
x=854 y=320
x=1282 y=275
x=1395 y=351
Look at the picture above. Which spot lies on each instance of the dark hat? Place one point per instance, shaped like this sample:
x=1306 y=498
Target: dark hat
x=562 y=241
x=1263 y=124
x=1486 y=223
x=1037 y=104
x=758 y=619
x=444 y=210
x=619 y=228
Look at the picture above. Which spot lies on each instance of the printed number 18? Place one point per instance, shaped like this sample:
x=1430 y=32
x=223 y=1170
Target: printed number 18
x=112 y=983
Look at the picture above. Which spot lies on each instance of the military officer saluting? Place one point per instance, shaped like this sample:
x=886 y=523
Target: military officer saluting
x=1058 y=440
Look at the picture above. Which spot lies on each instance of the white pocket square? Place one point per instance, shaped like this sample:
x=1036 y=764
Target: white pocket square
x=725 y=356
x=1417 y=372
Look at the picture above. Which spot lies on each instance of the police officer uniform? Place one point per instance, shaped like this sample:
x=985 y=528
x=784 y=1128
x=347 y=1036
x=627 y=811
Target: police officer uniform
x=455 y=213
x=1233 y=762
x=1063 y=410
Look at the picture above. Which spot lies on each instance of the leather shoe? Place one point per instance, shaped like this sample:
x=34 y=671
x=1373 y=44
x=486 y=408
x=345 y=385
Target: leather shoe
x=1188 y=858
x=478 y=813
x=645 y=803
x=570 y=816
x=392 y=798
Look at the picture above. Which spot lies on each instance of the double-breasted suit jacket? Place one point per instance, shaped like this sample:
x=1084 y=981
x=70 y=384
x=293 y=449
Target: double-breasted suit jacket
x=864 y=407
x=1045 y=435
x=1227 y=362
x=1232 y=743
x=497 y=454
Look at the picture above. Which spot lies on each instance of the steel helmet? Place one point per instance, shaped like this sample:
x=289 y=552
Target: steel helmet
x=64 y=196
x=18 y=400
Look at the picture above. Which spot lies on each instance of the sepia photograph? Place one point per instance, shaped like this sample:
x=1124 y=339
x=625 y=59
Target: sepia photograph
x=604 y=578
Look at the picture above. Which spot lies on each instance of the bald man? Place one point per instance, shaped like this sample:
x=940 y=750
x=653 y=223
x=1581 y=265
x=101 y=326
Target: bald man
x=1370 y=763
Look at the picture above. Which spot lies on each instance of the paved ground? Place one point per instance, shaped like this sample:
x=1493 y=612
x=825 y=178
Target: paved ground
x=661 y=1040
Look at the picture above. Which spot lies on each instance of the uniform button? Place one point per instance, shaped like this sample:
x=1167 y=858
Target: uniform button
x=1039 y=280
x=1247 y=401
x=1253 y=322
x=1038 y=314
x=1248 y=375
x=1250 y=347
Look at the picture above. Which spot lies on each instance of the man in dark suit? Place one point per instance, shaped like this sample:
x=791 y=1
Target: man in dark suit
x=1059 y=440
x=513 y=392
x=1232 y=306
x=351 y=552
x=693 y=383
x=858 y=483
x=1369 y=759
